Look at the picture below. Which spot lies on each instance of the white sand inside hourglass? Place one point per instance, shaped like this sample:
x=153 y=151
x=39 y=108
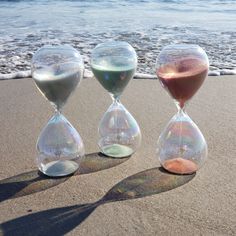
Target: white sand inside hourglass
x=57 y=87
x=117 y=150
x=60 y=168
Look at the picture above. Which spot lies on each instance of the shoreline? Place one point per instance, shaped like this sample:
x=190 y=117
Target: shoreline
x=89 y=74
x=17 y=52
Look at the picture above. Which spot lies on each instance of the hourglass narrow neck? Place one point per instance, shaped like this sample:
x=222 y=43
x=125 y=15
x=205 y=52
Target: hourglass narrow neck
x=181 y=108
x=58 y=110
x=115 y=98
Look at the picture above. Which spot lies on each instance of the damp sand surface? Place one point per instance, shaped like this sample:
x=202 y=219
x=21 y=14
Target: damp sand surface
x=151 y=205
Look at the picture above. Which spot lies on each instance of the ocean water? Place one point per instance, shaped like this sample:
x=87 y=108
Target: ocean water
x=148 y=25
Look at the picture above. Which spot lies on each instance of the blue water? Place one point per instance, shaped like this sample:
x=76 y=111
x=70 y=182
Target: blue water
x=149 y=24
x=103 y=15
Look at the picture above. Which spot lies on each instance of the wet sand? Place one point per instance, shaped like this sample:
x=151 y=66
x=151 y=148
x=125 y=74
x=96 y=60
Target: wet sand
x=128 y=196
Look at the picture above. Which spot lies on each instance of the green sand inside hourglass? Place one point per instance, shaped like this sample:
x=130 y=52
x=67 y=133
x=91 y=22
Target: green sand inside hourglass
x=117 y=150
x=115 y=79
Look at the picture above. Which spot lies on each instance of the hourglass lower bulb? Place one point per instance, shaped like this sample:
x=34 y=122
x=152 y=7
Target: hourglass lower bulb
x=57 y=70
x=114 y=64
x=181 y=70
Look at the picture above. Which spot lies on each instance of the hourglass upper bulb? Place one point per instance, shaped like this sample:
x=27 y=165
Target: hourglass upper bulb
x=181 y=69
x=57 y=70
x=114 y=64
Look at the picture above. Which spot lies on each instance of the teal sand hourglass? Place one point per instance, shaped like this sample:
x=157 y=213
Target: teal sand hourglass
x=181 y=69
x=57 y=70
x=113 y=64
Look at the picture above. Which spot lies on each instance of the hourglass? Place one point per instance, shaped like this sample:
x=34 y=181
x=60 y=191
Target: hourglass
x=113 y=64
x=57 y=70
x=181 y=69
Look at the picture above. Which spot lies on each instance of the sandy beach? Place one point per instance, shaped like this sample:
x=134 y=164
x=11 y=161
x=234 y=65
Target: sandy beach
x=130 y=196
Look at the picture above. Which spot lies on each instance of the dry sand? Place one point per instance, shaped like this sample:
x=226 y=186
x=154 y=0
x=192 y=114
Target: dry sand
x=148 y=202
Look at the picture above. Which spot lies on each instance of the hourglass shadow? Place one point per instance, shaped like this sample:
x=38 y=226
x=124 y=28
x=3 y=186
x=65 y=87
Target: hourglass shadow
x=60 y=221
x=94 y=162
x=34 y=181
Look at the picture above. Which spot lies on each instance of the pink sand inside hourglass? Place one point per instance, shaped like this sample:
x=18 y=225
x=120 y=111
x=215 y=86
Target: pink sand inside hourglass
x=180 y=166
x=183 y=78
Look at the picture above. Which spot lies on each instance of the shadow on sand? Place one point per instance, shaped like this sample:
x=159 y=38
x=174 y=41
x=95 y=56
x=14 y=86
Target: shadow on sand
x=34 y=181
x=59 y=221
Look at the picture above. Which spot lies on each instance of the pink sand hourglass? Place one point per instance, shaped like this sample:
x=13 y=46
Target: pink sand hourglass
x=181 y=69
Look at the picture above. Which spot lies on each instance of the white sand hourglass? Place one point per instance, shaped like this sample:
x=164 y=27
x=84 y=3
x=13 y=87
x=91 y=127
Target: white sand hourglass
x=57 y=70
x=113 y=64
x=181 y=70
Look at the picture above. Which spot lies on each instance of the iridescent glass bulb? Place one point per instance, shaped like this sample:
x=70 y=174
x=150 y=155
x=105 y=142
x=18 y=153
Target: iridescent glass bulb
x=181 y=69
x=114 y=64
x=57 y=70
